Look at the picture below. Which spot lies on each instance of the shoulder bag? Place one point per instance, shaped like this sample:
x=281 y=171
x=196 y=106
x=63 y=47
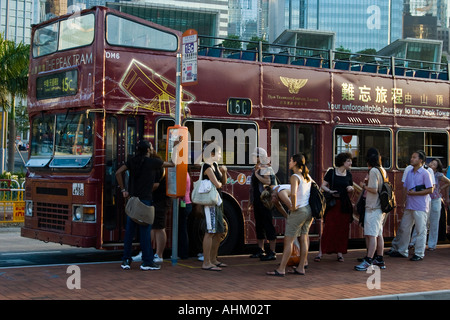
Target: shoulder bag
x=204 y=192
x=140 y=212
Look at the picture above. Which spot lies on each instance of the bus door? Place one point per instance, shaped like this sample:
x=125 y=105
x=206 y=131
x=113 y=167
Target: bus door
x=293 y=138
x=120 y=142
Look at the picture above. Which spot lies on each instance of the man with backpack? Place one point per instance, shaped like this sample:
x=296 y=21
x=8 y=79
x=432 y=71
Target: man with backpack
x=374 y=215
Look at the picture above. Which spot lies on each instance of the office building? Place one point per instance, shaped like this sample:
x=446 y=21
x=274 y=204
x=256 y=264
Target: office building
x=358 y=24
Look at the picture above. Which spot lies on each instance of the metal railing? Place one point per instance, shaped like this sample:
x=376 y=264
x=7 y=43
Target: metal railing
x=12 y=205
x=262 y=51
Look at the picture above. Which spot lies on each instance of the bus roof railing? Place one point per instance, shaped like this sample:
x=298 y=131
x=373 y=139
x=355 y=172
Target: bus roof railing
x=263 y=51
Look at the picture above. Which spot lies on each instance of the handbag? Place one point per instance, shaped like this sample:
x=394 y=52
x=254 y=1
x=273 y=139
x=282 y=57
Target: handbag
x=331 y=200
x=361 y=209
x=204 y=192
x=139 y=212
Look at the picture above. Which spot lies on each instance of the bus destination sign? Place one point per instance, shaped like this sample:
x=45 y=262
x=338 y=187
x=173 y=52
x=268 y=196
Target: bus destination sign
x=57 y=85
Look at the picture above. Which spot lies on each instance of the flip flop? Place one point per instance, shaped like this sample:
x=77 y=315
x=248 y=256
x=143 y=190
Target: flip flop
x=221 y=265
x=297 y=273
x=275 y=273
x=213 y=268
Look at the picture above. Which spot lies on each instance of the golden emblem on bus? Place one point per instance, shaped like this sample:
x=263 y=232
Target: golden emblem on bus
x=150 y=90
x=294 y=85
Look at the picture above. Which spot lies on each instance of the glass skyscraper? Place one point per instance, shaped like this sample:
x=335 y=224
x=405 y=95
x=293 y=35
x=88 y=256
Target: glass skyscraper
x=16 y=19
x=358 y=24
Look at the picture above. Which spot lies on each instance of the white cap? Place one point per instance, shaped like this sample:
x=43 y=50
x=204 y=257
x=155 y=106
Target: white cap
x=259 y=152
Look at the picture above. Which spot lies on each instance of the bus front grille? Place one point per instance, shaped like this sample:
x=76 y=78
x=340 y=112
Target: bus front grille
x=52 y=215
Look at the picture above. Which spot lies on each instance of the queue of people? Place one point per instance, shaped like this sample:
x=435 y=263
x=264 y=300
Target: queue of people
x=423 y=188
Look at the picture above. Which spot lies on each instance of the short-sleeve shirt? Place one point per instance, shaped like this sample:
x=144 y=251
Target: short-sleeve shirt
x=338 y=183
x=142 y=176
x=375 y=182
x=414 y=179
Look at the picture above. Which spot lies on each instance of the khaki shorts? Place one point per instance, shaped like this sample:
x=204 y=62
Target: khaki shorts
x=298 y=222
x=373 y=222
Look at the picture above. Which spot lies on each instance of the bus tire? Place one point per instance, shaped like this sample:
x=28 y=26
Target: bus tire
x=233 y=230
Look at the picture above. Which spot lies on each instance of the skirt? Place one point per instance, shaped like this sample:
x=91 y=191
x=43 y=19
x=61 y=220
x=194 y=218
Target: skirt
x=335 y=231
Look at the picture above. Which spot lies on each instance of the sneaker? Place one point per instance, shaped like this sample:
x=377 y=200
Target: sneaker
x=268 y=257
x=258 y=254
x=379 y=262
x=150 y=266
x=126 y=264
x=416 y=258
x=157 y=259
x=138 y=257
x=396 y=254
x=200 y=257
x=363 y=266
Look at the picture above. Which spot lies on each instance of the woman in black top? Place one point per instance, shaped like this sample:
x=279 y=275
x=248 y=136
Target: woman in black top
x=213 y=214
x=339 y=182
x=262 y=175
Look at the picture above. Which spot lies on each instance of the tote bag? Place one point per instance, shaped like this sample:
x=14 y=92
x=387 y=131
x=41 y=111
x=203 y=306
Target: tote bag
x=204 y=192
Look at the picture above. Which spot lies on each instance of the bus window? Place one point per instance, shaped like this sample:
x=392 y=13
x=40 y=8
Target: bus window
x=161 y=136
x=238 y=140
x=142 y=36
x=42 y=129
x=71 y=33
x=358 y=140
x=45 y=40
x=435 y=145
x=131 y=138
x=73 y=140
x=76 y=31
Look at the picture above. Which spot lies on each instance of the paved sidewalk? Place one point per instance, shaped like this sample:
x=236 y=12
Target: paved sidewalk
x=243 y=279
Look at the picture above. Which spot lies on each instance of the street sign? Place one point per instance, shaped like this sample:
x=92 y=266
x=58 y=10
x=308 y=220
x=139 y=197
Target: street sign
x=189 y=50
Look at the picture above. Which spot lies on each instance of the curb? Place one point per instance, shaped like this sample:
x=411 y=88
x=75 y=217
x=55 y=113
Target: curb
x=425 y=295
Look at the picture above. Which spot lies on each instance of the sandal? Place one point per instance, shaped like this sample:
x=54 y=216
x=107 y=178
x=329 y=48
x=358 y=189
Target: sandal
x=275 y=273
x=213 y=268
x=296 y=272
x=317 y=259
x=340 y=259
x=221 y=265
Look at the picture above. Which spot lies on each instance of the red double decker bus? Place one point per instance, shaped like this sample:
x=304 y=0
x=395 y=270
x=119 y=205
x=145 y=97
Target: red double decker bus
x=100 y=80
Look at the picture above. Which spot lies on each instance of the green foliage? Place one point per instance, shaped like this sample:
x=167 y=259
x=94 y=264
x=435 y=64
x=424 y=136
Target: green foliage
x=232 y=42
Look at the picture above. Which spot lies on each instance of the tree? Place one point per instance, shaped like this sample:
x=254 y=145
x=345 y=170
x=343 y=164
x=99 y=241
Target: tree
x=253 y=45
x=14 y=61
x=232 y=42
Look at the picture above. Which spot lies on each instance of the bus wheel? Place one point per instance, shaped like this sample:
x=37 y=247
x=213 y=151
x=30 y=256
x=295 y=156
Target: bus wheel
x=197 y=227
x=230 y=241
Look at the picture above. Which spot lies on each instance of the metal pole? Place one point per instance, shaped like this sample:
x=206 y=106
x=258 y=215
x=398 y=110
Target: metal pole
x=176 y=200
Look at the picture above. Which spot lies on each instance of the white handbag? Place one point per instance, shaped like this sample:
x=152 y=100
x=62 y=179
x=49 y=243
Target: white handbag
x=204 y=192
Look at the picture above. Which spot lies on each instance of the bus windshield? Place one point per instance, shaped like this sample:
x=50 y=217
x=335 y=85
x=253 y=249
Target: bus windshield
x=64 y=140
x=74 y=32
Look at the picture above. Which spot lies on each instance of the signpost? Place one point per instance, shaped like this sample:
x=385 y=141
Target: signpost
x=189 y=50
x=176 y=177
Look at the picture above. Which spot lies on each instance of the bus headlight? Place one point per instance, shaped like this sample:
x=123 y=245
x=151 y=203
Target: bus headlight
x=85 y=213
x=28 y=208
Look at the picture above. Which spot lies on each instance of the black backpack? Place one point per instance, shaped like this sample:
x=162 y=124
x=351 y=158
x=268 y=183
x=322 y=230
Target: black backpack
x=317 y=201
x=387 y=196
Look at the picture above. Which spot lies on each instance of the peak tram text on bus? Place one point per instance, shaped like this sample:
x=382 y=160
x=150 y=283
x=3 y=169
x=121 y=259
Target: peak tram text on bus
x=95 y=89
